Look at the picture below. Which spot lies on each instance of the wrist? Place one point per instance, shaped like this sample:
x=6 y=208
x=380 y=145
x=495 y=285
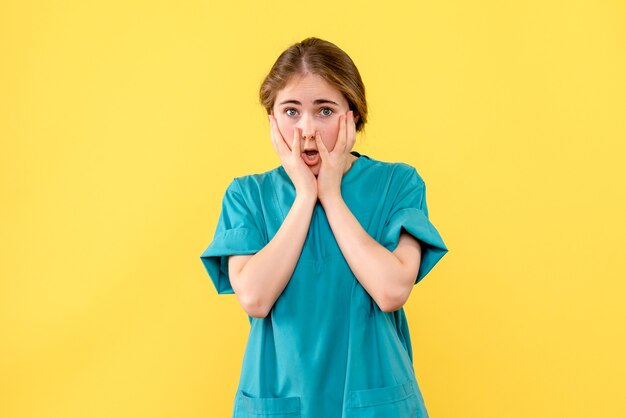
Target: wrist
x=306 y=198
x=331 y=198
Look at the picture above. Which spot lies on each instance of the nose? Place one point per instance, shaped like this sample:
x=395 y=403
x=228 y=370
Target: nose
x=307 y=127
x=308 y=142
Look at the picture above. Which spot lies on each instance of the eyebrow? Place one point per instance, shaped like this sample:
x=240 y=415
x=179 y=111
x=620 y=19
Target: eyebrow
x=318 y=101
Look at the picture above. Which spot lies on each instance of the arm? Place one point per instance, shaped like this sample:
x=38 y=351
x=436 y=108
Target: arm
x=259 y=279
x=387 y=276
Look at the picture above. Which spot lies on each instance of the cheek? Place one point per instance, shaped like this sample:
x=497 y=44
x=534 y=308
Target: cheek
x=329 y=136
x=286 y=131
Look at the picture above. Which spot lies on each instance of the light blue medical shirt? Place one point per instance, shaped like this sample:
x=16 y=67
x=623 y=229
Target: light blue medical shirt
x=326 y=350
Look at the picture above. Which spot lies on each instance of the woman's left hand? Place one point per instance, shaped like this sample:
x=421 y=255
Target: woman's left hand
x=336 y=162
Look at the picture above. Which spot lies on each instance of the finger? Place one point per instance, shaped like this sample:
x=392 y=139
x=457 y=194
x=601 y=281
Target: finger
x=321 y=148
x=352 y=132
x=346 y=139
x=277 y=139
x=272 y=135
x=295 y=145
x=340 y=145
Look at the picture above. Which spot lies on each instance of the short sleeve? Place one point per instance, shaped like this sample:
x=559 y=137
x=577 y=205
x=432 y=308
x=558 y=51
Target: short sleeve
x=410 y=212
x=237 y=232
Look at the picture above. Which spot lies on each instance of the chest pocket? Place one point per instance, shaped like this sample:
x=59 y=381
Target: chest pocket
x=250 y=407
x=400 y=400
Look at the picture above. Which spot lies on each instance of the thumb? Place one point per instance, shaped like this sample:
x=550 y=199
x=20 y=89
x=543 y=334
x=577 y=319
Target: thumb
x=320 y=146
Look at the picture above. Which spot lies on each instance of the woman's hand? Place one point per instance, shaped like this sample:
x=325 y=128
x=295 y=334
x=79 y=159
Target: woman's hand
x=336 y=163
x=297 y=170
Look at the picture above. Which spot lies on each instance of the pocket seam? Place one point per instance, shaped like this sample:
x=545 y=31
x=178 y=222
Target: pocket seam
x=270 y=406
x=397 y=393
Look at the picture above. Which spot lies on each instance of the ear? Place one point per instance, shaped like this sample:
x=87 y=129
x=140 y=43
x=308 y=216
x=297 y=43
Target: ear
x=356 y=118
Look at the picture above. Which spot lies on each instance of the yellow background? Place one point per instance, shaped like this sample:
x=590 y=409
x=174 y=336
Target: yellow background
x=122 y=123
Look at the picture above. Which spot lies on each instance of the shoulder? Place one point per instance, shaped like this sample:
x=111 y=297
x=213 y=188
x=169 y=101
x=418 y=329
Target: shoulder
x=253 y=183
x=397 y=172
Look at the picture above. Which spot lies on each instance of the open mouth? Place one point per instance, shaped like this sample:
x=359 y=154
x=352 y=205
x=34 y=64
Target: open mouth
x=310 y=157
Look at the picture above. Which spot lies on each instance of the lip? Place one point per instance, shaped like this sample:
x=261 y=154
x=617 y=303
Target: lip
x=311 y=162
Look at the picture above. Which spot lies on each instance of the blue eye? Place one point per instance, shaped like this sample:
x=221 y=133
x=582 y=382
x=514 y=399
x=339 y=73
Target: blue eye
x=325 y=111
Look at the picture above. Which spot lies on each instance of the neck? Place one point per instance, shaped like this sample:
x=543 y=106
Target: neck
x=351 y=161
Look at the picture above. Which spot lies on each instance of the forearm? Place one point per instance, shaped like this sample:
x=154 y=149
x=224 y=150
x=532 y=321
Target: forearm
x=266 y=273
x=378 y=270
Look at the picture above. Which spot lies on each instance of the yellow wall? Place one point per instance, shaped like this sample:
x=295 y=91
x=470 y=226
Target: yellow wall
x=122 y=123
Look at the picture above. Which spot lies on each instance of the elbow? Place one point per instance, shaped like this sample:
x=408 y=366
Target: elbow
x=249 y=300
x=392 y=301
x=253 y=306
x=395 y=295
x=390 y=305
x=258 y=312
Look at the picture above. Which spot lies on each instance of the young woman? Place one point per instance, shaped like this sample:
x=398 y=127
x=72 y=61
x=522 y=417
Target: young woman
x=323 y=252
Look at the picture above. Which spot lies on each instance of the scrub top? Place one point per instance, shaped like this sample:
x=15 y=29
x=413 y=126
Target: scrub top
x=326 y=350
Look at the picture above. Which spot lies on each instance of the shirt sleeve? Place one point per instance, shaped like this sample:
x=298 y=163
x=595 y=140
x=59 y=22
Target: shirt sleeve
x=410 y=212
x=237 y=232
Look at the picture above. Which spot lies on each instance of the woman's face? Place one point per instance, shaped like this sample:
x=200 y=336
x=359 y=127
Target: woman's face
x=312 y=104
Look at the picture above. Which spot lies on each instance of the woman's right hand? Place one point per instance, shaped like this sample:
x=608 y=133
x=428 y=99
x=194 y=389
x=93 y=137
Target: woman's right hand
x=300 y=174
